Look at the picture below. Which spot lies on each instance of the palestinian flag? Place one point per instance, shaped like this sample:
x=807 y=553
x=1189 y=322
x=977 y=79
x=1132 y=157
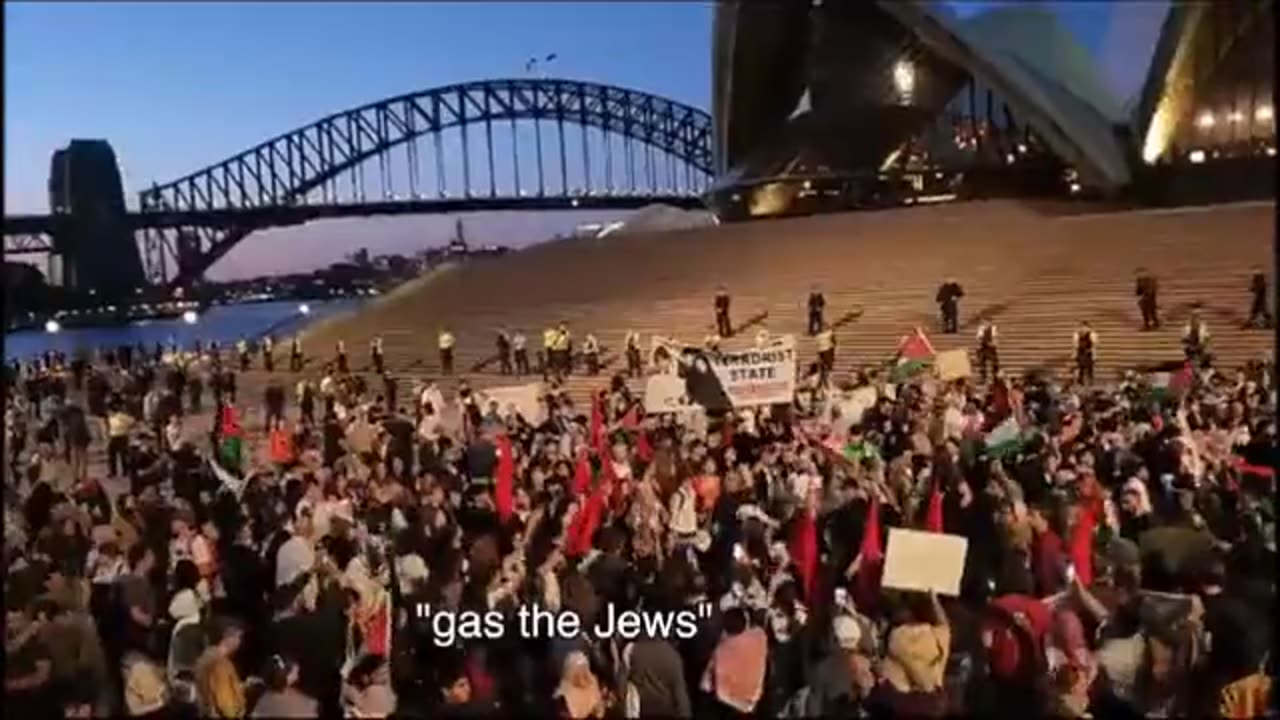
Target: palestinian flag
x=1005 y=439
x=915 y=355
x=1171 y=385
x=230 y=448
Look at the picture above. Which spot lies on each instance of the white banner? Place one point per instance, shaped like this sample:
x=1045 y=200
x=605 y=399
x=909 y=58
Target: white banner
x=728 y=379
x=523 y=399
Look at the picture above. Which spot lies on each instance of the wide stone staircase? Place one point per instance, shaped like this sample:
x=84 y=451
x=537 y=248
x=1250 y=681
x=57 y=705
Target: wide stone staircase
x=1036 y=274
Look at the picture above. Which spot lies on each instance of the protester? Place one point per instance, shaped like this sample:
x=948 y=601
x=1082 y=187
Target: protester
x=1120 y=542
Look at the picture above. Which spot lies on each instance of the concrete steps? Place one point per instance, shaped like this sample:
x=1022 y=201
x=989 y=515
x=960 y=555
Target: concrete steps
x=1036 y=276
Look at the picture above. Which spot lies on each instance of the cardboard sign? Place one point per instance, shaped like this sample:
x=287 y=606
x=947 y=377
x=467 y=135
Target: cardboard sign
x=924 y=561
x=952 y=365
x=665 y=394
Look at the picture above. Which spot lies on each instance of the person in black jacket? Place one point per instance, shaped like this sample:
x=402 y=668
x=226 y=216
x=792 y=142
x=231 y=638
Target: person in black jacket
x=817 y=303
x=1146 y=289
x=724 y=328
x=948 y=298
x=273 y=397
x=1259 y=315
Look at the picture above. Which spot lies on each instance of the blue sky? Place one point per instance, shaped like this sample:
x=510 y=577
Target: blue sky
x=177 y=86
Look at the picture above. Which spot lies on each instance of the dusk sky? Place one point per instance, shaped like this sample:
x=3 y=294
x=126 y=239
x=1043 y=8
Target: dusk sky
x=175 y=87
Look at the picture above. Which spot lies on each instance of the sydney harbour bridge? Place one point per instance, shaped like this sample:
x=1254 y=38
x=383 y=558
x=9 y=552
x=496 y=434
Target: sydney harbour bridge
x=513 y=144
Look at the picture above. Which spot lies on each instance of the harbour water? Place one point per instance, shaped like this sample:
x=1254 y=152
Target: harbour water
x=224 y=323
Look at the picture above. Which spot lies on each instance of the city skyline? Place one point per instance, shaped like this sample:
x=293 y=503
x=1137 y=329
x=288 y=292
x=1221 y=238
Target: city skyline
x=175 y=87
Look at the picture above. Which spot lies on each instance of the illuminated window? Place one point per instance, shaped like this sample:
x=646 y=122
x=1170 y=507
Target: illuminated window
x=1236 y=117
x=1263 y=113
x=1206 y=120
x=1196 y=156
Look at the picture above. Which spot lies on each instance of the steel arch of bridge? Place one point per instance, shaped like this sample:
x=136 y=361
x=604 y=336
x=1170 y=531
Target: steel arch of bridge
x=289 y=170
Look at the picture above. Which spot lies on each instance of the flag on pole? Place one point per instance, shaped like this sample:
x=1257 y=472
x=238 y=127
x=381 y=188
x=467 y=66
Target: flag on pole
x=231 y=447
x=804 y=552
x=581 y=476
x=871 y=566
x=550 y=57
x=229 y=482
x=1005 y=439
x=915 y=355
x=644 y=450
x=1081 y=548
x=933 y=518
x=503 y=490
x=598 y=441
x=583 y=526
x=529 y=64
x=1166 y=386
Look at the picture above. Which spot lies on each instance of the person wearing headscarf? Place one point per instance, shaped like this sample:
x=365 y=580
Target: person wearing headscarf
x=579 y=691
x=735 y=675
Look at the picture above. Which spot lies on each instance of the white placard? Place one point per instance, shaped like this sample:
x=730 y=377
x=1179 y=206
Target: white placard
x=924 y=561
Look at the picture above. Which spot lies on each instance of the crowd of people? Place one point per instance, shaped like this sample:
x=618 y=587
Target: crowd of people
x=237 y=564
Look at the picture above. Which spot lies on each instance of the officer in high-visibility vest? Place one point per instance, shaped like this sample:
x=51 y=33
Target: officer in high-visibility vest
x=564 y=349
x=445 y=343
x=548 y=352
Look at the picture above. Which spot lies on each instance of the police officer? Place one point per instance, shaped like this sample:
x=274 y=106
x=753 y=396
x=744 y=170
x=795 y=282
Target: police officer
x=1085 y=344
x=817 y=303
x=723 y=327
x=1146 y=289
x=295 y=354
x=988 y=354
x=340 y=356
x=948 y=298
x=242 y=349
x=633 y=353
x=563 y=347
x=375 y=354
x=826 y=341
x=1195 y=339
x=504 y=352
x=445 y=342
x=591 y=354
x=521 y=353
x=1259 y=315
x=548 y=352
x=268 y=354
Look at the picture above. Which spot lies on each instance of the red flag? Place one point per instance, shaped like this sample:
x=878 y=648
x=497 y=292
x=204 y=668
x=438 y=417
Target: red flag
x=230 y=421
x=631 y=420
x=1246 y=468
x=644 y=450
x=1081 y=549
x=597 y=427
x=584 y=524
x=933 y=518
x=376 y=627
x=726 y=435
x=868 y=580
x=504 y=488
x=581 y=476
x=804 y=552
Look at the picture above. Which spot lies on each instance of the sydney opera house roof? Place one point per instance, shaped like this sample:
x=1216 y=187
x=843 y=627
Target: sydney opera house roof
x=808 y=91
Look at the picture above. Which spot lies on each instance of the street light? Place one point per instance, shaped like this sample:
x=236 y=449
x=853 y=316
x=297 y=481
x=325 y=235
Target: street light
x=52 y=326
x=190 y=317
x=304 y=309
